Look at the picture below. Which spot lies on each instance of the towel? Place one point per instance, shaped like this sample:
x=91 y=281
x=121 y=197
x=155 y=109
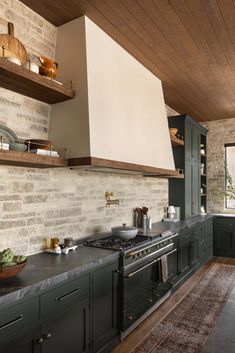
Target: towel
x=164 y=265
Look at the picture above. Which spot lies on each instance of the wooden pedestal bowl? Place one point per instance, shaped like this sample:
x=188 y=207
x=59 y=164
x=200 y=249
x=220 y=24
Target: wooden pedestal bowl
x=6 y=272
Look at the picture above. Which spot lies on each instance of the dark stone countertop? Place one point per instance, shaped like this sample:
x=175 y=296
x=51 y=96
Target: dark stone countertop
x=222 y=338
x=44 y=270
x=160 y=227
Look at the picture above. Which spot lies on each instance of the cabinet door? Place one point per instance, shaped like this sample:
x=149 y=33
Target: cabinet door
x=224 y=242
x=192 y=143
x=194 y=251
x=192 y=189
x=68 y=331
x=195 y=189
x=172 y=267
x=104 y=306
x=184 y=257
x=25 y=343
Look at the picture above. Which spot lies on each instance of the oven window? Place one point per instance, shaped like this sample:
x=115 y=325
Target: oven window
x=229 y=176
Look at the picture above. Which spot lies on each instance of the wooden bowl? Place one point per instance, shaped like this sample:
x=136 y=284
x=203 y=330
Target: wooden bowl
x=6 y=272
x=41 y=144
x=173 y=131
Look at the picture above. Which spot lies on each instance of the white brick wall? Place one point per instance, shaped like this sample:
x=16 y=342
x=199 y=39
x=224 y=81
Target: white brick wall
x=36 y=204
x=220 y=133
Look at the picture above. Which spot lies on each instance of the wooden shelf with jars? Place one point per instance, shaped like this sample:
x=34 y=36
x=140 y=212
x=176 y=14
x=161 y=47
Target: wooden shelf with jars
x=23 y=81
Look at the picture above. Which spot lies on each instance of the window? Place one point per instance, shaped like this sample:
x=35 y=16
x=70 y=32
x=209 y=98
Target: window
x=230 y=175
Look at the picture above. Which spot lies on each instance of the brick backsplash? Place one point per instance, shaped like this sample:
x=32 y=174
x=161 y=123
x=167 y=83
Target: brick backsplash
x=220 y=132
x=36 y=204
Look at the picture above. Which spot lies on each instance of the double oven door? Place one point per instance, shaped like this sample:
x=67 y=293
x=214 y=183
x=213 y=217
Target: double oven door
x=144 y=285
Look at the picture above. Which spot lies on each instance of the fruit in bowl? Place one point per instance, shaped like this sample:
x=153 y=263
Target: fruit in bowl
x=11 y=264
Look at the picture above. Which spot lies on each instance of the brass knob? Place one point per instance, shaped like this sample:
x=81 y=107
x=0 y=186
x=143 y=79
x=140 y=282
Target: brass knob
x=130 y=317
x=150 y=300
x=40 y=340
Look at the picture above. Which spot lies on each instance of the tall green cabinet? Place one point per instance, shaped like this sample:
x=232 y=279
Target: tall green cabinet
x=189 y=192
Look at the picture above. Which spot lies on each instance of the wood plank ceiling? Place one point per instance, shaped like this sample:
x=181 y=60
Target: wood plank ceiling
x=188 y=44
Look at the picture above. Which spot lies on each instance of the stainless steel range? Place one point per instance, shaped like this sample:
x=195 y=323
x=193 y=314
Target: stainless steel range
x=148 y=265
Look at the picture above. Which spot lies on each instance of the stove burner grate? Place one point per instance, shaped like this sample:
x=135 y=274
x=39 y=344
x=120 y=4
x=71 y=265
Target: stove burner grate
x=116 y=243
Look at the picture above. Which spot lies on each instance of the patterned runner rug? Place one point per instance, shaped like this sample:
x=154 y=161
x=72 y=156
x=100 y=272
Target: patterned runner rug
x=186 y=327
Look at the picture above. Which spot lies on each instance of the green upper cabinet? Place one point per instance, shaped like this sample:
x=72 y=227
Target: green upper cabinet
x=192 y=142
x=186 y=192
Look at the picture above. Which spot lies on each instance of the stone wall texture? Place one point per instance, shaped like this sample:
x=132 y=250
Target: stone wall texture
x=36 y=204
x=220 y=132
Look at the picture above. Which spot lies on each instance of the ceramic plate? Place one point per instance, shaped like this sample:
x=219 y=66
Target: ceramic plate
x=9 y=135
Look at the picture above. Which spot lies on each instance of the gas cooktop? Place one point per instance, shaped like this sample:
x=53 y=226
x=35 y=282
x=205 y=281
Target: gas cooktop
x=115 y=243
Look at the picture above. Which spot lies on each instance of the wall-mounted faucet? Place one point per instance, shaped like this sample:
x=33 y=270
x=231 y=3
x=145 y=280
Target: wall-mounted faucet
x=109 y=199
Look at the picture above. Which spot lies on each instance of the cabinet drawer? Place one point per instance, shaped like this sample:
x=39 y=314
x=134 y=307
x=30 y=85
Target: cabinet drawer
x=224 y=222
x=64 y=295
x=18 y=316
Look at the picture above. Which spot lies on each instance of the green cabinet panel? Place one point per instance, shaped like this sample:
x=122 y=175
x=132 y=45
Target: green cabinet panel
x=184 y=255
x=192 y=142
x=224 y=237
x=23 y=343
x=64 y=296
x=185 y=193
x=104 y=308
x=18 y=316
x=67 y=331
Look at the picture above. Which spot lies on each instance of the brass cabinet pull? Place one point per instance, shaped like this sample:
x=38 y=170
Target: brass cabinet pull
x=67 y=295
x=130 y=317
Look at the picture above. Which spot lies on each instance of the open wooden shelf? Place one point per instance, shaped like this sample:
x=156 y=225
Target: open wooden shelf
x=203 y=194
x=176 y=142
x=203 y=155
x=25 y=159
x=203 y=175
x=21 y=80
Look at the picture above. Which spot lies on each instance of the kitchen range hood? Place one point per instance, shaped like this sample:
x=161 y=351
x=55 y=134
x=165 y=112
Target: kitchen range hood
x=117 y=121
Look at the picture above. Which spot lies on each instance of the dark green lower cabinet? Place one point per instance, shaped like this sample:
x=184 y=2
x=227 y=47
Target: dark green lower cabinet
x=25 y=343
x=195 y=247
x=194 y=251
x=104 y=309
x=224 y=236
x=68 y=331
x=184 y=257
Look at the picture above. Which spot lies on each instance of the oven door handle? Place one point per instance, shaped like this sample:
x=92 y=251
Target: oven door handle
x=171 y=252
x=142 y=268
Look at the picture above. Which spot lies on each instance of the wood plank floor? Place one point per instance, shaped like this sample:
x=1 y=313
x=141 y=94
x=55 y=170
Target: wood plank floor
x=133 y=340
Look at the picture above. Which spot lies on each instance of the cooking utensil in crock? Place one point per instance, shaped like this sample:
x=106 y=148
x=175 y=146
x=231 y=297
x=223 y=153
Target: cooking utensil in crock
x=13 y=47
x=125 y=232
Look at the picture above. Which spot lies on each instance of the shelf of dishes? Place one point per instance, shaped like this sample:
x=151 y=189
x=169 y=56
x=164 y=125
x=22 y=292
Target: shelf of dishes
x=23 y=152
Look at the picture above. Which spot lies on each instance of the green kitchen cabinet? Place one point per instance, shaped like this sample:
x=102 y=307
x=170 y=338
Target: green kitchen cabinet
x=224 y=236
x=184 y=256
x=25 y=342
x=104 y=308
x=68 y=330
x=186 y=192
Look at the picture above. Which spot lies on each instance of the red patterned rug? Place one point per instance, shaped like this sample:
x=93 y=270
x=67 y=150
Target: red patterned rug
x=186 y=327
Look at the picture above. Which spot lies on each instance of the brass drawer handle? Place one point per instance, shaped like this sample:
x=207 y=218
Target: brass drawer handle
x=8 y=324
x=67 y=295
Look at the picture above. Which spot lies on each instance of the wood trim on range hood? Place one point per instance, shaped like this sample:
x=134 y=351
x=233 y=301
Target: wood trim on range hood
x=101 y=164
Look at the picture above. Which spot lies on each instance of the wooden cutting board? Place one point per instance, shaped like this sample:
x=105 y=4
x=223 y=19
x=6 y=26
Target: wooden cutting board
x=13 y=46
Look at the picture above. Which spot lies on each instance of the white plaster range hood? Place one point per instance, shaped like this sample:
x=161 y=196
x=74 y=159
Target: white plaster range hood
x=117 y=120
